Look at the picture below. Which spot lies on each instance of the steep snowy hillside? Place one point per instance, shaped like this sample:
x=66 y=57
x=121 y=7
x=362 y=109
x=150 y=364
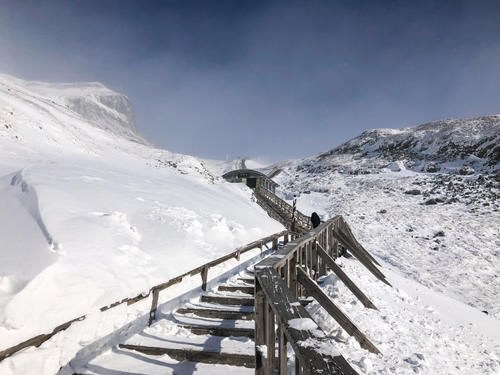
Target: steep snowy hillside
x=96 y=103
x=90 y=214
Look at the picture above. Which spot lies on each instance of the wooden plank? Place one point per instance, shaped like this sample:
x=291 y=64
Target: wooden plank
x=360 y=256
x=293 y=275
x=283 y=358
x=218 y=314
x=232 y=359
x=220 y=331
x=328 y=261
x=286 y=308
x=270 y=338
x=346 y=227
x=247 y=280
x=226 y=300
x=260 y=329
x=343 y=320
x=236 y=288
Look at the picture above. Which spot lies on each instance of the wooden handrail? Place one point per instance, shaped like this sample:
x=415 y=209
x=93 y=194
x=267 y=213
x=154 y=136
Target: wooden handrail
x=280 y=280
x=303 y=221
x=155 y=290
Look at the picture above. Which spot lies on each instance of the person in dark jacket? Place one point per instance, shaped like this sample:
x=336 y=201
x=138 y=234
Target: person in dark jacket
x=315 y=220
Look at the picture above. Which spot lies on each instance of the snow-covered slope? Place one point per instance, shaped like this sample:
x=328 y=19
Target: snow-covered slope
x=90 y=214
x=383 y=179
x=425 y=202
x=96 y=103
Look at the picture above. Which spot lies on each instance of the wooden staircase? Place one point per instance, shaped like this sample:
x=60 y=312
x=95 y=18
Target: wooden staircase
x=233 y=327
x=217 y=329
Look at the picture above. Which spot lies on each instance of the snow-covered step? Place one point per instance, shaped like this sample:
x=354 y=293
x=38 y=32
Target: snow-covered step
x=216 y=327
x=236 y=288
x=123 y=361
x=247 y=280
x=196 y=355
x=219 y=330
x=167 y=337
x=192 y=319
x=211 y=335
x=232 y=314
x=223 y=299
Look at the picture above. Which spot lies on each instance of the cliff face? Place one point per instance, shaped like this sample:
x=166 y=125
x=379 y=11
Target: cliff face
x=99 y=105
x=109 y=111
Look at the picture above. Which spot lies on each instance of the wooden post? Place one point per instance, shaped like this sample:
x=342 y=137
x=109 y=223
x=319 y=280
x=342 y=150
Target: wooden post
x=204 y=278
x=306 y=260
x=260 y=328
x=275 y=244
x=343 y=320
x=327 y=259
x=270 y=339
x=285 y=238
x=154 y=305
x=287 y=273
x=293 y=274
x=298 y=367
x=324 y=267
x=283 y=360
x=326 y=237
x=314 y=262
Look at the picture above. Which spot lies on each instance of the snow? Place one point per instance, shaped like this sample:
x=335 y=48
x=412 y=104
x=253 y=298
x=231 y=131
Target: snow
x=99 y=105
x=302 y=324
x=442 y=315
x=90 y=213
x=89 y=217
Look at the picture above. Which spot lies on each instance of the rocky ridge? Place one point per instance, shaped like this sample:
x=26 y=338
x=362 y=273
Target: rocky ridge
x=457 y=146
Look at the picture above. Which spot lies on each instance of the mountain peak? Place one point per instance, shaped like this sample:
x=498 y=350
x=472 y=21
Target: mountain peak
x=443 y=145
x=96 y=103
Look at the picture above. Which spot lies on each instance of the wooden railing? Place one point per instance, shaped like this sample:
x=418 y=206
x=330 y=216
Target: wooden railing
x=302 y=222
x=287 y=275
x=154 y=291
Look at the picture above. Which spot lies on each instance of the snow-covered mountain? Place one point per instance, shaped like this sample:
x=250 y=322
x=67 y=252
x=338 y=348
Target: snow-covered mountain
x=459 y=146
x=99 y=105
x=425 y=201
x=91 y=213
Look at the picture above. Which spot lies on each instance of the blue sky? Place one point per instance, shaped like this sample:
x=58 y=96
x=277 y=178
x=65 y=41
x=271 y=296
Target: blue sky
x=267 y=80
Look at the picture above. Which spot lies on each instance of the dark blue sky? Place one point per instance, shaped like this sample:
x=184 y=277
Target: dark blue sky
x=268 y=80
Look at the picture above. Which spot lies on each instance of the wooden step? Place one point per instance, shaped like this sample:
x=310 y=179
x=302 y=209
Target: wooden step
x=228 y=300
x=196 y=355
x=247 y=280
x=237 y=288
x=220 y=331
x=218 y=314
